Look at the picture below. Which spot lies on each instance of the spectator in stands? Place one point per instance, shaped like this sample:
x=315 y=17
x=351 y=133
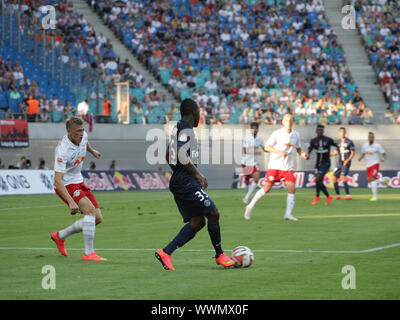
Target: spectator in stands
x=355 y=117
x=394 y=99
x=83 y=108
x=203 y=116
x=44 y=115
x=9 y=115
x=138 y=112
x=323 y=120
x=106 y=110
x=92 y=165
x=113 y=165
x=59 y=106
x=33 y=108
x=367 y=116
x=22 y=164
x=42 y=164
x=172 y=112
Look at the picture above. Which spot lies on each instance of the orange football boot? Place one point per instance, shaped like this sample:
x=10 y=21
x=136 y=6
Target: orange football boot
x=93 y=257
x=315 y=201
x=60 y=243
x=224 y=261
x=165 y=259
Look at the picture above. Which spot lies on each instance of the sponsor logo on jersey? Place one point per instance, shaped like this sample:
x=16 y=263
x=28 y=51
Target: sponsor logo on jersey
x=79 y=160
x=60 y=160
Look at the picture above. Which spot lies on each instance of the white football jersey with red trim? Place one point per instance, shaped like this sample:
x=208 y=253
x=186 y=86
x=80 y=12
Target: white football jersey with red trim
x=69 y=159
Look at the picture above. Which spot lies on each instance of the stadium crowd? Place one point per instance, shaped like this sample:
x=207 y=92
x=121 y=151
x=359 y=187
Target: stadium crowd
x=76 y=38
x=378 y=22
x=242 y=60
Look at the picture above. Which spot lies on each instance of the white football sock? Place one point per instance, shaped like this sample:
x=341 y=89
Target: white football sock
x=374 y=188
x=290 y=200
x=89 y=227
x=73 y=228
x=259 y=194
x=250 y=190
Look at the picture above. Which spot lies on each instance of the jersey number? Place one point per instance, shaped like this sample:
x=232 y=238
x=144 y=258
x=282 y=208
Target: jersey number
x=201 y=195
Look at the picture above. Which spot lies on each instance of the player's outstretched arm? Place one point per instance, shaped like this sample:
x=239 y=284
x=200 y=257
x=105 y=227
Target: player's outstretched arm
x=94 y=152
x=302 y=153
x=59 y=185
x=361 y=157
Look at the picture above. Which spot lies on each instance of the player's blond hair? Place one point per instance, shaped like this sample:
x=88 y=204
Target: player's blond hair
x=73 y=120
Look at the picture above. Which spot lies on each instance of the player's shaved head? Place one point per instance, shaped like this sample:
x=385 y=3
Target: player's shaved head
x=371 y=137
x=189 y=108
x=320 y=130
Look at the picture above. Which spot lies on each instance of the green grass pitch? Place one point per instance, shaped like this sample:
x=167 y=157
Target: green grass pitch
x=136 y=223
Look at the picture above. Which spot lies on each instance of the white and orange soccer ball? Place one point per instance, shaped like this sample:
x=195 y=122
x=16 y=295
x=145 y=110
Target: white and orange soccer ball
x=242 y=256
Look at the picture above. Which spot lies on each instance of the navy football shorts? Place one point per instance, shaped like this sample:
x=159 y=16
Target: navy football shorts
x=323 y=168
x=341 y=171
x=191 y=200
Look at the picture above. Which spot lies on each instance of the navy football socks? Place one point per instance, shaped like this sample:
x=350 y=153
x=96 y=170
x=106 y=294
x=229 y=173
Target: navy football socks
x=336 y=185
x=185 y=235
x=322 y=188
x=346 y=187
x=215 y=235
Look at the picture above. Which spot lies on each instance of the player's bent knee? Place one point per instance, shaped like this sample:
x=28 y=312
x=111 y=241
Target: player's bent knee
x=99 y=218
x=197 y=223
x=213 y=216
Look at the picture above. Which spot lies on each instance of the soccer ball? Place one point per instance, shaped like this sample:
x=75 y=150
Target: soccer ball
x=242 y=256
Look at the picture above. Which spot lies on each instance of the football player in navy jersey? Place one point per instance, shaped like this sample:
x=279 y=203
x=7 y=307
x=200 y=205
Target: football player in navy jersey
x=346 y=152
x=187 y=185
x=322 y=145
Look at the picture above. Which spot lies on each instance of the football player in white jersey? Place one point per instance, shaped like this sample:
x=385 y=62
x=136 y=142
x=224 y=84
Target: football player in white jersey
x=283 y=145
x=252 y=147
x=68 y=182
x=373 y=154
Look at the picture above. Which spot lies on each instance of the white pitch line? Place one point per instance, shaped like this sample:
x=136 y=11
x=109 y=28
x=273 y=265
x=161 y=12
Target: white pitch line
x=62 y=205
x=209 y=250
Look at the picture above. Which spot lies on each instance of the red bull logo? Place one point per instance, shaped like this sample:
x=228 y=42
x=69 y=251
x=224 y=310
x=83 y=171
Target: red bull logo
x=299 y=176
x=352 y=180
x=121 y=181
x=150 y=181
x=98 y=182
x=79 y=160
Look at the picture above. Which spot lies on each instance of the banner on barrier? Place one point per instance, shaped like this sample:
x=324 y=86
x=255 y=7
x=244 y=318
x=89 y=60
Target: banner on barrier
x=125 y=180
x=307 y=179
x=41 y=181
x=26 y=181
x=14 y=134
